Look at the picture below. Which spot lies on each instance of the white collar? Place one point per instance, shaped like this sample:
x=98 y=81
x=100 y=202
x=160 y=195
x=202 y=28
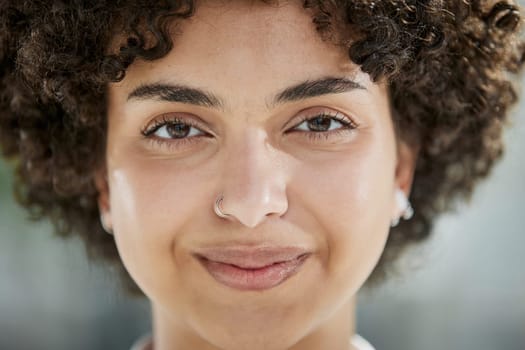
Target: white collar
x=358 y=341
x=361 y=343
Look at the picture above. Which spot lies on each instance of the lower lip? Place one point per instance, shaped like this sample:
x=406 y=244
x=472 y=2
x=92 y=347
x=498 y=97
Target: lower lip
x=253 y=279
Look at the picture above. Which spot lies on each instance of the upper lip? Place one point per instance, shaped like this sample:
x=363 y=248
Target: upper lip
x=251 y=257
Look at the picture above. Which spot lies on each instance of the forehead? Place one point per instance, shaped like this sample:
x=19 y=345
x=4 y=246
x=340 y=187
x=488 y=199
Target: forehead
x=232 y=47
x=252 y=27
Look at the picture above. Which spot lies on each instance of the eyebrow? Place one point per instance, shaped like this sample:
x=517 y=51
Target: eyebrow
x=175 y=93
x=199 y=97
x=313 y=88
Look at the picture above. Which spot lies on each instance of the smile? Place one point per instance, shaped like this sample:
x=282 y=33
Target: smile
x=260 y=278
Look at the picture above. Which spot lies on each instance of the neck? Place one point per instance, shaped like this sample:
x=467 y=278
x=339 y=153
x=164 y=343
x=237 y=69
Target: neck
x=333 y=333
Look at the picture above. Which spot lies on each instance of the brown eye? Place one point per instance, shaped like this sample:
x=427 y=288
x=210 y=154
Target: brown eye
x=319 y=123
x=175 y=130
x=323 y=123
x=325 y=126
x=172 y=128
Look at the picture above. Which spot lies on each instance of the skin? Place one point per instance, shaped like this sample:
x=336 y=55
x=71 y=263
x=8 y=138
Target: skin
x=333 y=195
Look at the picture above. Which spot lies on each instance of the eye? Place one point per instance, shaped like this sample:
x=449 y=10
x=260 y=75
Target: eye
x=173 y=130
x=320 y=126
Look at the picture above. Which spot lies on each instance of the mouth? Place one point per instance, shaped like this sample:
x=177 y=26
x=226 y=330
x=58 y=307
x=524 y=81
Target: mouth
x=251 y=257
x=250 y=278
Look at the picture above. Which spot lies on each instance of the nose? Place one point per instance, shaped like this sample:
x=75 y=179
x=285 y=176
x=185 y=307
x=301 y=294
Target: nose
x=253 y=182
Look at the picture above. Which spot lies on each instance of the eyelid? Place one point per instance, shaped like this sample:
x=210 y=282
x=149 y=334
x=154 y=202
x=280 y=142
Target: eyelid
x=316 y=112
x=172 y=117
x=166 y=118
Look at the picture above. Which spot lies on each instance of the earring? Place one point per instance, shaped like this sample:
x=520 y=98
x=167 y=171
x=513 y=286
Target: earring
x=403 y=203
x=105 y=226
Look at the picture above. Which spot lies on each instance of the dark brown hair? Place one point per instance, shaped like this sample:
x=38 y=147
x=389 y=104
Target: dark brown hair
x=448 y=63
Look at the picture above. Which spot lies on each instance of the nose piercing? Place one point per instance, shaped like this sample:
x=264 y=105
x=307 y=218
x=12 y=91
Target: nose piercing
x=217 y=208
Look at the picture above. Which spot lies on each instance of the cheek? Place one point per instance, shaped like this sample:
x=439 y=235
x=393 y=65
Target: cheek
x=150 y=204
x=352 y=202
x=146 y=195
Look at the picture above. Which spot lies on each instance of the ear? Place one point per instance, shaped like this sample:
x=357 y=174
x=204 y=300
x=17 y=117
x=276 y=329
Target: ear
x=404 y=174
x=101 y=183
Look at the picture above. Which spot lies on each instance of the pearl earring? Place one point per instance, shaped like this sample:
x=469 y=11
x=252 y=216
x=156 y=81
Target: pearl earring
x=105 y=226
x=404 y=205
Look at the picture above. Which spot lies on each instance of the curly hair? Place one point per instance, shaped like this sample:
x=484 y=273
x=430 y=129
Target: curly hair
x=449 y=64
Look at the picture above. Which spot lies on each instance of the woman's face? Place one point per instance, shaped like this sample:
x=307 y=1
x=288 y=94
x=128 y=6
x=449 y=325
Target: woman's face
x=326 y=185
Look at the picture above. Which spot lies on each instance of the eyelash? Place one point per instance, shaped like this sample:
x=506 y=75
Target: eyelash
x=347 y=126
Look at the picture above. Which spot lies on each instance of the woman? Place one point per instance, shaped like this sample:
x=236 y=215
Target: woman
x=251 y=160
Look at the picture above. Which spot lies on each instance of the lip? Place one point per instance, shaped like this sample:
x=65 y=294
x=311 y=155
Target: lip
x=251 y=257
x=253 y=278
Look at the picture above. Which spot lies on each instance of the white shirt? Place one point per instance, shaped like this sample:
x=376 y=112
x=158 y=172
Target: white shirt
x=361 y=343
x=357 y=341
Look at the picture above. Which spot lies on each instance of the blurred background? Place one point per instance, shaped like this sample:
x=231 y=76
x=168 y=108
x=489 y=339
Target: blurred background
x=463 y=289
